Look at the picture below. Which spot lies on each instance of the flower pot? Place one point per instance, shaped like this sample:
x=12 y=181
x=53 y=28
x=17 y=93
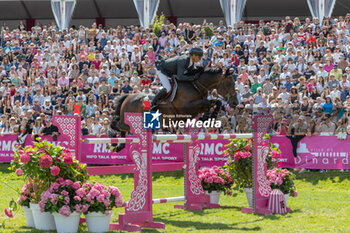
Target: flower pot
x=214 y=196
x=286 y=196
x=42 y=221
x=29 y=216
x=67 y=224
x=249 y=194
x=98 y=222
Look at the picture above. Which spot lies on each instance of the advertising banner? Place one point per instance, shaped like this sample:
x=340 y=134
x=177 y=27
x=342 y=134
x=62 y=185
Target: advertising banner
x=317 y=152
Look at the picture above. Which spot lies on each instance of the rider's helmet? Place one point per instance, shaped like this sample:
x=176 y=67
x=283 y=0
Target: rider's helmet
x=196 y=51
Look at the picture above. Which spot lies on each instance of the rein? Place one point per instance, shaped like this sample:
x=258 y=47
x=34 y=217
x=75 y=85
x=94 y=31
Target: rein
x=198 y=85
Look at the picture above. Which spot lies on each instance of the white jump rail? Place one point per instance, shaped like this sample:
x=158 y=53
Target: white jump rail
x=110 y=140
x=188 y=137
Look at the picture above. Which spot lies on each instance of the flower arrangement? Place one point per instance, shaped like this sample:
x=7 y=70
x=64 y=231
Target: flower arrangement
x=45 y=163
x=62 y=198
x=100 y=198
x=239 y=164
x=216 y=179
x=283 y=180
x=27 y=193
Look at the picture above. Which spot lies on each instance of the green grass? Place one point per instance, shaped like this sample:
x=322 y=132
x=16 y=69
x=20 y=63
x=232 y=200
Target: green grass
x=323 y=205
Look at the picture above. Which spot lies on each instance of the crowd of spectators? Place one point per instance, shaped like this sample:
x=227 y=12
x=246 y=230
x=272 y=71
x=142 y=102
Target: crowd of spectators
x=298 y=71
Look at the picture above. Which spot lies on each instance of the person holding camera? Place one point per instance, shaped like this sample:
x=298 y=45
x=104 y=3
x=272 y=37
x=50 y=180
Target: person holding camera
x=50 y=129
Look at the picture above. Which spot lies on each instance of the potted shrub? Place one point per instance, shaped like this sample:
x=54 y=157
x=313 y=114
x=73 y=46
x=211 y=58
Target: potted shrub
x=214 y=181
x=239 y=164
x=283 y=180
x=26 y=196
x=43 y=163
x=62 y=201
x=100 y=200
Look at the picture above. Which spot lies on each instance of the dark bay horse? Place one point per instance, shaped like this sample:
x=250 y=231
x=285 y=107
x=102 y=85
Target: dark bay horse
x=190 y=99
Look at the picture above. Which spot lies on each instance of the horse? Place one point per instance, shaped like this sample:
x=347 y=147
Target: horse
x=190 y=100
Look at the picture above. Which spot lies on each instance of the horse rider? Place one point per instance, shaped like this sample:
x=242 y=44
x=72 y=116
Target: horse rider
x=182 y=66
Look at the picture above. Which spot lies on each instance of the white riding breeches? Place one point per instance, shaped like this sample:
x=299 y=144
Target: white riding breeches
x=164 y=80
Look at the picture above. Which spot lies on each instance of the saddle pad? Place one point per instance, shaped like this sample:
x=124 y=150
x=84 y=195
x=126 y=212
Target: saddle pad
x=173 y=91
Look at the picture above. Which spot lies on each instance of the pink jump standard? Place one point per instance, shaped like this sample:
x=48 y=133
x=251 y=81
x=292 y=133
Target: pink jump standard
x=138 y=211
x=261 y=186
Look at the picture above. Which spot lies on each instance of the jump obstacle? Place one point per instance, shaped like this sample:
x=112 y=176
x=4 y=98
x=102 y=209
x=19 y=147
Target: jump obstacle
x=138 y=211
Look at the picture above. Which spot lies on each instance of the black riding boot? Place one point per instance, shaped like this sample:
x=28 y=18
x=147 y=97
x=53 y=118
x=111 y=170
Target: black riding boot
x=160 y=94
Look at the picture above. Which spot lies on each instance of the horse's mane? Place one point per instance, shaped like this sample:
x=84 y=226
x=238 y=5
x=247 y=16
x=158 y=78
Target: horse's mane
x=212 y=71
x=118 y=104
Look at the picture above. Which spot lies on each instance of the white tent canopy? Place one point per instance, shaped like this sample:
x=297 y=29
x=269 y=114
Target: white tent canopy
x=184 y=10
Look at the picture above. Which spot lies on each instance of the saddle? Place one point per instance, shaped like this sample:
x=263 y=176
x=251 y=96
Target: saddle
x=169 y=97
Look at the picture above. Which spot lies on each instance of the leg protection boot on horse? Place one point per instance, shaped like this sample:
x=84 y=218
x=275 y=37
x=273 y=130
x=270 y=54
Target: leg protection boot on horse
x=160 y=94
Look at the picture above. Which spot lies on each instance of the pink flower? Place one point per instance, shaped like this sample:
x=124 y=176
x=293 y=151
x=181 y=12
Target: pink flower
x=66 y=150
x=106 y=203
x=55 y=171
x=42 y=205
x=77 y=198
x=78 y=207
x=45 y=161
x=65 y=210
x=119 y=201
x=60 y=180
x=209 y=180
x=279 y=180
x=54 y=187
x=22 y=198
x=107 y=212
x=85 y=208
x=94 y=192
x=80 y=192
x=248 y=147
x=89 y=197
x=295 y=193
x=76 y=185
x=68 y=158
x=64 y=192
x=54 y=198
x=8 y=213
x=100 y=198
x=19 y=172
x=68 y=182
x=275 y=154
x=99 y=187
x=25 y=158
x=248 y=154
x=66 y=200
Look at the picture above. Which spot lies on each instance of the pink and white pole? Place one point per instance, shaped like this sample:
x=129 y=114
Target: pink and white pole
x=191 y=137
x=110 y=140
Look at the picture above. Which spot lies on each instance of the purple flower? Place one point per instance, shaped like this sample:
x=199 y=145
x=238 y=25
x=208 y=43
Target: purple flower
x=85 y=208
x=80 y=192
x=78 y=207
x=94 y=192
x=65 y=210
x=54 y=198
x=64 y=192
x=66 y=200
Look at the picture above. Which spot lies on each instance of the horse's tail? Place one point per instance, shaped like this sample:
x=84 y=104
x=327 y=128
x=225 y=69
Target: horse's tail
x=117 y=111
